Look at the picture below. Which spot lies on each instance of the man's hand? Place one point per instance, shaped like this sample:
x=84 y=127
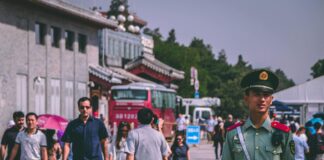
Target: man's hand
x=130 y=156
x=44 y=153
x=3 y=152
x=104 y=147
x=14 y=151
x=66 y=151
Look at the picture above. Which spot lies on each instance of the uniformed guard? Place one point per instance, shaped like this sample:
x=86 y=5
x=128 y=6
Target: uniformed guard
x=258 y=138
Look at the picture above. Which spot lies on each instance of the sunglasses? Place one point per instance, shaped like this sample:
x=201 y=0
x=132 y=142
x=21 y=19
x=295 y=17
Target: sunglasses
x=84 y=107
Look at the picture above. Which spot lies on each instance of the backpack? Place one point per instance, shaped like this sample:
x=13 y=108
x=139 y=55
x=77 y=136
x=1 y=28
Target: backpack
x=320 y=143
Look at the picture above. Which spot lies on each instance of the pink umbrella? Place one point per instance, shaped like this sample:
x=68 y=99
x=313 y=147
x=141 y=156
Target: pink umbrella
x=50 y=121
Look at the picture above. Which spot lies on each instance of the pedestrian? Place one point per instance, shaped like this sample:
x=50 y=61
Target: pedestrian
x=318 y=141
x=258 y=138
x=117 y=150
x=9 y=136
x=87 y=134
x=228 y=122
x=180 y=149
x=157 y=124
x=144 y=142
x=181 y=124
x=210 y=128
x=54 y=149
x=301 y=146
x=218 y=138
x=31 y=141
x=202 y=124
x=187 y=120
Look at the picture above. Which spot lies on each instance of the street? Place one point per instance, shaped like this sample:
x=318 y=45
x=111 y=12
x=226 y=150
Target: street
x=202 y=151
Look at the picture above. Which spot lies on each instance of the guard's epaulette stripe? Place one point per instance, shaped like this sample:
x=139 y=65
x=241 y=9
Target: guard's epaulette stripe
x=280 y=126
x=237 y=124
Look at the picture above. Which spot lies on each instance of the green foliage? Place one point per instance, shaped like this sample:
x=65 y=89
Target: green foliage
x=113 y=9
x=284 y=81
x=217 y=77
x=318 y=68
x=172 y=37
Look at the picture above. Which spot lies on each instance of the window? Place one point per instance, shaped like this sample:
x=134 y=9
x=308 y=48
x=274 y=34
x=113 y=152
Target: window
x=81 y=90
x=82 y=39
x=40 y=33
x=55 y=107
x=113 y=47
x=162 y=99
x=68 y=100
x=129 y=94
x=69 y=39
x=21 y=92
x=110 y=46
x=129 y=51
x=157 y=99
x=39 y=87
x=125 y=50
x=55 y=36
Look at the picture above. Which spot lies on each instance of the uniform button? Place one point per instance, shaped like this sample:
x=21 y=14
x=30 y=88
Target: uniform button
x=256 y=134
x=257 y=147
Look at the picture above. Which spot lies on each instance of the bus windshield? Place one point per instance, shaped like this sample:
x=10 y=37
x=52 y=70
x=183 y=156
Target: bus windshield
x=129 y=94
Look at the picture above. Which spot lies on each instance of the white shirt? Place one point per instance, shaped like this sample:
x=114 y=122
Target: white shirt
x=118 y=154
x=146 y=143
x=300 y=147
x=181 y=123
x=30 y=145
x=210 y=125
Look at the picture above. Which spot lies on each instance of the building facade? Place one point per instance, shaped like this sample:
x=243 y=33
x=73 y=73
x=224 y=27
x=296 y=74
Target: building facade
x=46 y=49
x=119 y=47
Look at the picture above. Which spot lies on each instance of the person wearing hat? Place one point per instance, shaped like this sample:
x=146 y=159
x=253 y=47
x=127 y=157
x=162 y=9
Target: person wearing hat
x=258 y=137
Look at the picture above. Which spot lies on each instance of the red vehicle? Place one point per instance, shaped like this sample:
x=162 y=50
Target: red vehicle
x=126 y=100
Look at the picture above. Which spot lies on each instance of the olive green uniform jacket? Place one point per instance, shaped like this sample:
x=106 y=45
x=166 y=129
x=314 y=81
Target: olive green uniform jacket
x=258 y=143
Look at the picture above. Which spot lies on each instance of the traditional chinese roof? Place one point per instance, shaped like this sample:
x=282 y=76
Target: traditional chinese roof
x=61 y=7
x=157 y=66
x=139 y=21
x=114 y=74
x=106 y=74
x=131 y=77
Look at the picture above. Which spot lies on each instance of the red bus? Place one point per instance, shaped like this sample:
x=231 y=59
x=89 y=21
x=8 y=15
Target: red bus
x=126 y=100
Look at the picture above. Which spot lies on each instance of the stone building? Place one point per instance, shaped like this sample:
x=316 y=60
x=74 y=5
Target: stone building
x=47 y=47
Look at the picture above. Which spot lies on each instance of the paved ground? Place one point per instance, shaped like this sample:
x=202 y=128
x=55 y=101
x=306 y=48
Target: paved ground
x=202 y=151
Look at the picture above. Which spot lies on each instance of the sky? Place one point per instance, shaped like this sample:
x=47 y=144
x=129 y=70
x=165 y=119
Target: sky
x=286 y=35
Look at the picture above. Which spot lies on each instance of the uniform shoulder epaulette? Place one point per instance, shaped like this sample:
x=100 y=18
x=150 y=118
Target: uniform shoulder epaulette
x=237 y=124
x=280 y=126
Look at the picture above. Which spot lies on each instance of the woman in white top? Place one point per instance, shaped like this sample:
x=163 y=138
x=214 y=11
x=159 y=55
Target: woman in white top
x=119 y=144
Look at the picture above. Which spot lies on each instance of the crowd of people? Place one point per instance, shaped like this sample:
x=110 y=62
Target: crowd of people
x=260 y=136
x=87 y=137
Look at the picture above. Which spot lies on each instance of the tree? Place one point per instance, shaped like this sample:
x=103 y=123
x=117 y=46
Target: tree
x=284 y=82
x=318 y=68
x=154 y=33
x=114 y=7
x=119 y=12
x=172 y=37
x=217 y=77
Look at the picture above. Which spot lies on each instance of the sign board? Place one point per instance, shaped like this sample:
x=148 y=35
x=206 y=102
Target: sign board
x=193 y=135
x=203 y=102
x=196 y=94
